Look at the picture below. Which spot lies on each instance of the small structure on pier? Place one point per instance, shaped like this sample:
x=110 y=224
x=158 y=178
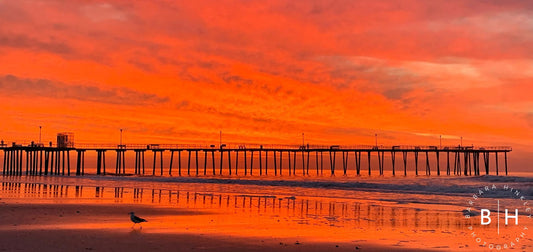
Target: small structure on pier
x=65 y=140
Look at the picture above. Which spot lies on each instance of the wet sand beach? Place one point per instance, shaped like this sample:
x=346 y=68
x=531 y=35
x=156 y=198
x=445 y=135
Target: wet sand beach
x=195 y=214
x=89 y=227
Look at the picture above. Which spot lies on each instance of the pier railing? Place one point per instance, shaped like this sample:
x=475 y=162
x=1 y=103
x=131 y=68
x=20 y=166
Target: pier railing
x=243 y=146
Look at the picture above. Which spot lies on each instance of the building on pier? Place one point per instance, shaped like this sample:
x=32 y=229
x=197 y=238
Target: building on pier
x=65 y=140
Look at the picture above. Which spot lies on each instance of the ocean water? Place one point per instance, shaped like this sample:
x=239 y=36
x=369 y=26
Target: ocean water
x=394 y=211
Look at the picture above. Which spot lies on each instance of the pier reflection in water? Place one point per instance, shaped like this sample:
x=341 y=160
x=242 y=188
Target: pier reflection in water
x=317 y=218
x=302 y=210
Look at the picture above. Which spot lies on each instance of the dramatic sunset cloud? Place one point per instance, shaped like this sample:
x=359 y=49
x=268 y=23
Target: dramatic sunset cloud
x=267 y=71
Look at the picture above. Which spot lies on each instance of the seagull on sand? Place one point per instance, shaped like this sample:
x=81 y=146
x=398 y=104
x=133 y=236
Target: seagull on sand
x=136 y=219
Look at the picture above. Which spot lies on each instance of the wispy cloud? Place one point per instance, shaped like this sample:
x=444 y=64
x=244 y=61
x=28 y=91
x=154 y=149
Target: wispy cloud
x=11 y=85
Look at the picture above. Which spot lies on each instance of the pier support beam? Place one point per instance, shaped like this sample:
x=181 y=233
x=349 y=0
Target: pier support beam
x=213 y=161
x=465 y=154
x=393 y=159
x=189 y=164
x=236 y=162
x=486 y=157
x=404 y=154
x=447 y=163
x=266 y=162
x=303 y=162
x=294 y=163
x=41 y=162
x=428 y=168
x=505 y=163
x=245 y=164
x=251 y=162
x=221 y=162
x=171 y=161
x=316 y=160
x=331 y=162
x=260 y=163
x=497 y=168
x=205 y=162
x=438 y=162
x=416 y=163
x=196 y=156
x=276 y=164
x=289 y=154
x=78 y=162
x=280 y=162
x=380 y=162
x=369 y=171
x=358 y=163
x=307 y=170
x=344 y=162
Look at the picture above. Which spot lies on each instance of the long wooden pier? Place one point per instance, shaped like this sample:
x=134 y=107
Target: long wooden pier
x=224 y=160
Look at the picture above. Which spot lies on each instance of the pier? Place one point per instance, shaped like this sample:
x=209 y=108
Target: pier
x=277 y=160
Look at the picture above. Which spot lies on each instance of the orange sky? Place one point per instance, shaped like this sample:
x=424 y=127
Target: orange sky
x=264 y=72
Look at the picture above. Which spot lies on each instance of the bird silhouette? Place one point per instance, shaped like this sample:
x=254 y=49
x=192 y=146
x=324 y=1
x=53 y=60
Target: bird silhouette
x=136 y=219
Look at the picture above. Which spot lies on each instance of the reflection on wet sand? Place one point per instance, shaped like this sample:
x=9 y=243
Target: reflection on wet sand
x=334 y=211
x=317 y=218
